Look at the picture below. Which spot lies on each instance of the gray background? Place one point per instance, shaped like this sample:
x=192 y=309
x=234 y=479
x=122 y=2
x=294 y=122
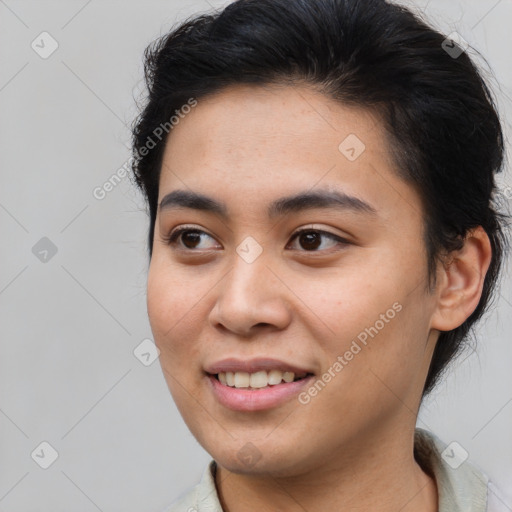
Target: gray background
x=69 y=325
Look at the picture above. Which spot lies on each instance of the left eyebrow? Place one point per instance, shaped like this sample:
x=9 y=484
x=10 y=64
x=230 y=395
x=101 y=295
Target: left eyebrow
x=307 y=200
x=324 y=199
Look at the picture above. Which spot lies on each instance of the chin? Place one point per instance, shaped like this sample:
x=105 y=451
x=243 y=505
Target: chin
x=248 y=458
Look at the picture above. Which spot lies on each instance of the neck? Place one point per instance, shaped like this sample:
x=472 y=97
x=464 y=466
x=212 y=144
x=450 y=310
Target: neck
x=383 y=477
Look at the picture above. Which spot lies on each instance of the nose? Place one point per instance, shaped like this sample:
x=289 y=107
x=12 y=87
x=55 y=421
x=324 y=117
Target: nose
x=251 y=297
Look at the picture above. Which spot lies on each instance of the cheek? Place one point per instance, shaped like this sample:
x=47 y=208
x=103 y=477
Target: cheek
x=174 y=304
x=345 y=301
x=174 y=308
x=377 y=321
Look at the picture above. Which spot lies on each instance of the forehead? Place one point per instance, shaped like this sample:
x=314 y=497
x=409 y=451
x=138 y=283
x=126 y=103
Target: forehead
x=277 y=121
x=251 y=143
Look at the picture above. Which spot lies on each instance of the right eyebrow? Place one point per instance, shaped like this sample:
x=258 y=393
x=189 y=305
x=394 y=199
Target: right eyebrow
x=307 y=200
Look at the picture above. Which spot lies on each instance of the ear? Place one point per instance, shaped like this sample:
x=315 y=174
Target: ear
x=460 y=281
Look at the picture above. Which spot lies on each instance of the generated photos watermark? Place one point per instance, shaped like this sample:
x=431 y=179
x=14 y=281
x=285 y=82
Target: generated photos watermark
x=356 y=346
x=163 y=129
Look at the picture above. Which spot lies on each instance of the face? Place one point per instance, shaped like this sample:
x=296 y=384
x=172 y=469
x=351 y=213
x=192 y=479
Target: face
x=241 y=296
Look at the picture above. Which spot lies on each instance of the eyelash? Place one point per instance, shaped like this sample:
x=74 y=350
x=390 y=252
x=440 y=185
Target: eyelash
x=171 y=239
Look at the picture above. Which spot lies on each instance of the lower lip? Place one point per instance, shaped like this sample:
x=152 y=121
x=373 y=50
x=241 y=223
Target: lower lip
x=256 y=399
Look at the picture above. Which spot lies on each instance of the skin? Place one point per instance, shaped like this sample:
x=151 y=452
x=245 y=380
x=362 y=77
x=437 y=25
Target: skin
x=351 y=446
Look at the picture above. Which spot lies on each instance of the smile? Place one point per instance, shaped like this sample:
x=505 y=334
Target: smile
x=257 y=380
x=243 y=394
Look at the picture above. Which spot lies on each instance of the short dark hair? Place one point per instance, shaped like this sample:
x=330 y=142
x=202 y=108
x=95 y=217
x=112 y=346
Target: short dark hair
x=443 y=127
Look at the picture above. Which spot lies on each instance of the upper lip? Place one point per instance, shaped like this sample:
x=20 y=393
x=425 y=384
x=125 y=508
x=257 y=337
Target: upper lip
x=253 y=365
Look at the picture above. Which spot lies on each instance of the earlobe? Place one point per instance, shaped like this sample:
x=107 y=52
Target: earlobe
x=461 y=281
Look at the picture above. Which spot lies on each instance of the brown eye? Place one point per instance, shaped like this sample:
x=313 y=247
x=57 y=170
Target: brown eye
x=311 y=239
x=190 y=238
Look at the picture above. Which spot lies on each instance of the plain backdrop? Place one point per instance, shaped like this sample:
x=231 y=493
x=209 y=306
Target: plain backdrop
x=73 y=268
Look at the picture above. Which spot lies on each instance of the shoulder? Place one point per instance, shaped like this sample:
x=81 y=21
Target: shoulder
x=462 y=486
x=202 y=497
x=185 y=503
x=496 y=502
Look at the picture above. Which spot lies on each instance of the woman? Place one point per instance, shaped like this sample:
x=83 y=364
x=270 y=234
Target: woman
x=319 y=176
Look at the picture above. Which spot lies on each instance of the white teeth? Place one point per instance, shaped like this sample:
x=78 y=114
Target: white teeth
x=288 y=376
x=241 y=380
x=275 y=377
x=256 y=380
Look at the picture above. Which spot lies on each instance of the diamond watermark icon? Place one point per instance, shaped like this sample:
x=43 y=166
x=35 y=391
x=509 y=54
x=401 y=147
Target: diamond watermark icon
x=249 y=454
x=44 y=45
x=454 y=454
x=249 y=249
x=44 y=455
x=44 y=250
x=146 y=352
x=352 y=147
x=454 y=45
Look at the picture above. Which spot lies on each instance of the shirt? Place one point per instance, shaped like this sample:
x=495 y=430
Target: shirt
x=461 y=486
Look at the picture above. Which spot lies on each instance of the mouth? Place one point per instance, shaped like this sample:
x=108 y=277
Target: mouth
x=256 y=384
x=258 y=380
x=257 y=391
